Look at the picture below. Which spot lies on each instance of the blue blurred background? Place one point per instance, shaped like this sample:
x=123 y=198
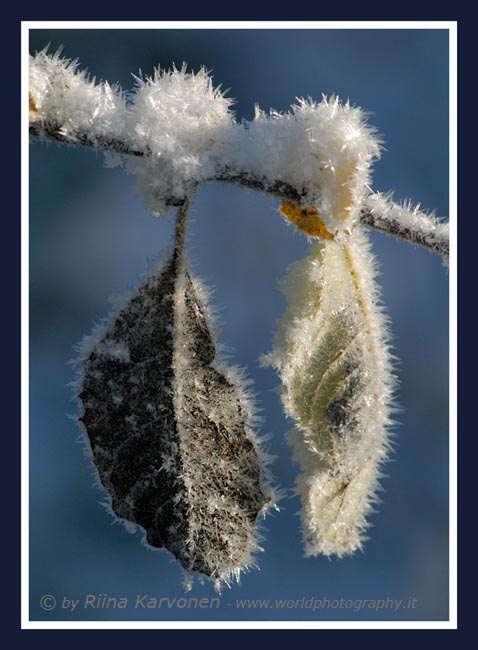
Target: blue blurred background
x=90 y=237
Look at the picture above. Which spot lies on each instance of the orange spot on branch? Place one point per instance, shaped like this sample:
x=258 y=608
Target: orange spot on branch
x=306 y=219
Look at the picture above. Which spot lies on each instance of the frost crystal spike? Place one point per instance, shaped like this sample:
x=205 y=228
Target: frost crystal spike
x=168 y=426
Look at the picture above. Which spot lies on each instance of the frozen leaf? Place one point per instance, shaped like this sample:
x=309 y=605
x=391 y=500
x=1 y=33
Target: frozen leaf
x=331 y=352
x=169 y=426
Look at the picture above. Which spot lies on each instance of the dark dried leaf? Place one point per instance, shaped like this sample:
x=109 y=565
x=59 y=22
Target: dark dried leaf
x=169 y=431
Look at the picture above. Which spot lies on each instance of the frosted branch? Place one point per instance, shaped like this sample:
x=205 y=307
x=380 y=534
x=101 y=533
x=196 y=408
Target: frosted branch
x=407 y=223
x=378 y=213
x=177 y=131
x=53 y=133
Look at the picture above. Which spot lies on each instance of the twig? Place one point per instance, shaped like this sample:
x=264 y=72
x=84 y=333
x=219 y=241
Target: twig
x=407 y=224
x=53 y=132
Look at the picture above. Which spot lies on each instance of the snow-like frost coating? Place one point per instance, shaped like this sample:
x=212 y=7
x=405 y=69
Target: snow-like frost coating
x=319 y=148
x=183 y=132
x=181 y=120
x=64 y=96
x=176 y=130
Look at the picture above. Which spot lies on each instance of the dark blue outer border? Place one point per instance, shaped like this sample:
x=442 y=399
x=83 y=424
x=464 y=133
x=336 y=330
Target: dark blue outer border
x=10 y=261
